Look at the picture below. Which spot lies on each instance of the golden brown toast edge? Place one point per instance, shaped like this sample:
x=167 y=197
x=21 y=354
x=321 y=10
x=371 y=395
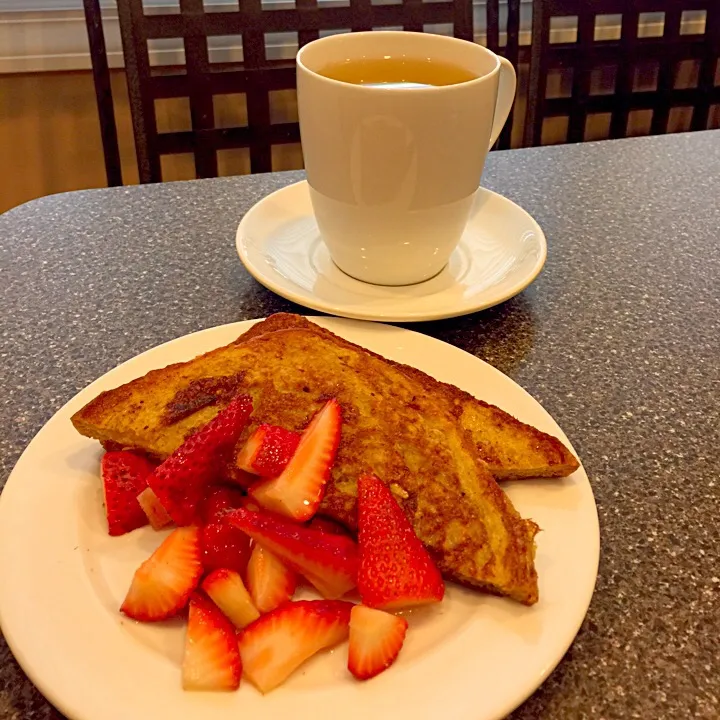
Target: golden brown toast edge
x=526 y=592
x=526 y=589
x=89 y=420
x=558 y=461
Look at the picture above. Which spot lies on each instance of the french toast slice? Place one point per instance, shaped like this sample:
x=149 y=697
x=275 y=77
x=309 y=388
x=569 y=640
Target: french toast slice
x=512 y=450
x=392 y=427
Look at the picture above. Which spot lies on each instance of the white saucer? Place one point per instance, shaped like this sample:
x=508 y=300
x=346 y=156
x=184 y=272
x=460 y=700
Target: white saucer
x=501 y=252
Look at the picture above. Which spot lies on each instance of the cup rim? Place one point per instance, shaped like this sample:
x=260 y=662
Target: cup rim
x=300 y=64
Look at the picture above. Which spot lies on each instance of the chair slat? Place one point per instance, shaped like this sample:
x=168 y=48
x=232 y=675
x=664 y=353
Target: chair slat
x=256 y=76
x=510 y=49
x=202 y=113
x=142 y=103
x=588 y=53
x=103 y=92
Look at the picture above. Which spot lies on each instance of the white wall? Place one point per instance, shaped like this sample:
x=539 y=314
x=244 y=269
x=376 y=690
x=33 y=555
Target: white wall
x=45 y=35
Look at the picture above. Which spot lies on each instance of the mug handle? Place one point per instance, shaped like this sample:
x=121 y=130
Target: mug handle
x=505 y=97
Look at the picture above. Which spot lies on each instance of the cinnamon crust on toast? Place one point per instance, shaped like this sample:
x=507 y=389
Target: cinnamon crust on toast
x=430 y=442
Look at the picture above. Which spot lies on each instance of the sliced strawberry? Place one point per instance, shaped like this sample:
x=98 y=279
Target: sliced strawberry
x=298 y=490
x=327 y=525
x=376 y=638
x=153 y=509
x=251 y=449
x=227 y=590
x=124 y=477
x=268 y=450
x=181 y=480
x=249 y=504
x=276 y=451
x=224 y=546
x=241 y=478
x=395 y=569
x=211 y=660
x=329 y=562
x=218 y=501
x=274 y=646
x=162 y=585
x=270 y=582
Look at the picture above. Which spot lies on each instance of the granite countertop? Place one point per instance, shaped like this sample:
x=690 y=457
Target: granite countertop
x=619 y=338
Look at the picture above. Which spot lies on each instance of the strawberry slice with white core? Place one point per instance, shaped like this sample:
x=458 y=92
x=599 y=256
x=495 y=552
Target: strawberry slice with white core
x=298 y=490
x=211 y=660
x=124 y=476
x=274 y=646
x=395 y=568
x=227 y=590
x=181 y=481
x=329 y=562
x=153 y=509
x=268 y=451
x=376 y=638
x=251 y=449
x=162 y=585
x=270 y=582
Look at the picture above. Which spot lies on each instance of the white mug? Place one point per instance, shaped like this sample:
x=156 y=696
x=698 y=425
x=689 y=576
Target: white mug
x=393 y=171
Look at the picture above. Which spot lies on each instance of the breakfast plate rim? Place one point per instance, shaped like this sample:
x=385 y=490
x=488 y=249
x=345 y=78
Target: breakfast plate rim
x=75 y=701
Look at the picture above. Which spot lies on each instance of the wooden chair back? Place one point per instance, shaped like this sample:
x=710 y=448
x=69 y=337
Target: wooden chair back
x=103 y=92
x=256 y=77
x=504 y=26
x=659 y=36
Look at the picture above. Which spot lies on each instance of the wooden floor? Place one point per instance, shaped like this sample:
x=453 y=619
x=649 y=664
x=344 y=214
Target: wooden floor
x=50 y=136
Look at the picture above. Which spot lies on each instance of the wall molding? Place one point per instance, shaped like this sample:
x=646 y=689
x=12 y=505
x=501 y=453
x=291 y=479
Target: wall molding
x=50 y=35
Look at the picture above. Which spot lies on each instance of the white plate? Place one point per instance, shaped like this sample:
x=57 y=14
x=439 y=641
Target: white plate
x=473 y=657
x=501 y=252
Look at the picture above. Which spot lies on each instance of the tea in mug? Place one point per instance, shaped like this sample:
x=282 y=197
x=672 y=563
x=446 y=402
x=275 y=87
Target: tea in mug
x=397 y=72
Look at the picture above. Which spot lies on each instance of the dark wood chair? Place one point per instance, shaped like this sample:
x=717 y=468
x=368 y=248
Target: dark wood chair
x=509 y=49
x=103 y=92
x=256 y=76
x=685 y=31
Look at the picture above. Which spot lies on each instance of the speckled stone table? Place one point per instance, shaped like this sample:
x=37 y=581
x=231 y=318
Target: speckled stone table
x=619 y=338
